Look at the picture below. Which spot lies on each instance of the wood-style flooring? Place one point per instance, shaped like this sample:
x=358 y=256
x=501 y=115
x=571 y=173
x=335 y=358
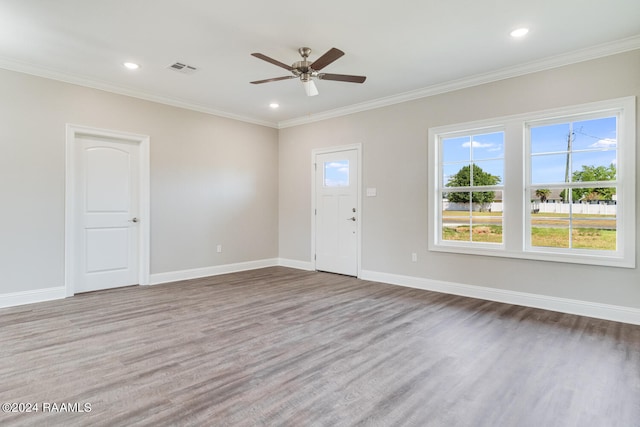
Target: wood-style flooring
x=282 y=347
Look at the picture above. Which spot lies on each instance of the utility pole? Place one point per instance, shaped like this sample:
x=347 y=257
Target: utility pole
x=567 y=170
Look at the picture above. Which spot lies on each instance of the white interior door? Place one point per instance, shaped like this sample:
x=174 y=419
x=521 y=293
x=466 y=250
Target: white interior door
x=107 y=217
x=336 y=212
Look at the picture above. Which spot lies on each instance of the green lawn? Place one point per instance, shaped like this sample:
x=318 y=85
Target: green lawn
x=584 y=238
x=481 y=233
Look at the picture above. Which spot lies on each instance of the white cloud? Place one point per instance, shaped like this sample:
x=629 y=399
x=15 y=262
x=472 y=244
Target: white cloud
x=476 y=144
x=604 y=143
x=334 y=165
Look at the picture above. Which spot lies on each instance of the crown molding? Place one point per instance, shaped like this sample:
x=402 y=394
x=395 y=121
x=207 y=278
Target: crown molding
x=39 y=71
x=594 y=52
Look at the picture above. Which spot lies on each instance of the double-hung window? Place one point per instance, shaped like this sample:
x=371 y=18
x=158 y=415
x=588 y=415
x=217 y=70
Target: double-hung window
x=472 y=165
x=555 y=185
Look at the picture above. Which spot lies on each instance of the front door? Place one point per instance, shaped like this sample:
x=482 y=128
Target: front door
x=336 y=212
x=106 y=234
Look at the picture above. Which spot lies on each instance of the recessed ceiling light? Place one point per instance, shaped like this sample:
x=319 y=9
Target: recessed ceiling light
x=519 y=32
x=274 y=105
x=131 y=65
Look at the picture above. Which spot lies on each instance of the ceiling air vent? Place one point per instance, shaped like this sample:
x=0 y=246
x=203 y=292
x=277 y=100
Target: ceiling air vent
x=183 y=68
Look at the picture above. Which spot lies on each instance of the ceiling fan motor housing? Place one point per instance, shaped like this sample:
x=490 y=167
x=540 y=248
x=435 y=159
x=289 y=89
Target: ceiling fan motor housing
x=301 y=67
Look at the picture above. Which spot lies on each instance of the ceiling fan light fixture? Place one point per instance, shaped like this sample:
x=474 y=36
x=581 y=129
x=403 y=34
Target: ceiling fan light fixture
x=310 y=87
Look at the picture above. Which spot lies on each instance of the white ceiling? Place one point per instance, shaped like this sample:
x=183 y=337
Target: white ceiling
x=406 y=48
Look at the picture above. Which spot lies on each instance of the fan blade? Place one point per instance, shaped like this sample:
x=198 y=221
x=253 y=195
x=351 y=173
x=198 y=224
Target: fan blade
x=342 y=78
x=326 y=59
x=275 y=79
x=272 y=61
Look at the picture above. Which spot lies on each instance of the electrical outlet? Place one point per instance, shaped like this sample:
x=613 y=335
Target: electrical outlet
x=414 y=257
x=219 y=248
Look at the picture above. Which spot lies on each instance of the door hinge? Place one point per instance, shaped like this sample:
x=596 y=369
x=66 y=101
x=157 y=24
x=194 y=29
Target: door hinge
x=315 y=211
x=315 y=257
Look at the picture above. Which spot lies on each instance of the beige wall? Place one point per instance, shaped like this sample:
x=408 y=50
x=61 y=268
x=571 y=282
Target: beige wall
x=394 y=224
x=213 y=180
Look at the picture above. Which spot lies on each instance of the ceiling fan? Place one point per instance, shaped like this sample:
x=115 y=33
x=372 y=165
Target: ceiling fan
x=307 y=71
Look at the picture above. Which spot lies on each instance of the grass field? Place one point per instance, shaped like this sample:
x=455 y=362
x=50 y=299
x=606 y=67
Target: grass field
x=548 y=230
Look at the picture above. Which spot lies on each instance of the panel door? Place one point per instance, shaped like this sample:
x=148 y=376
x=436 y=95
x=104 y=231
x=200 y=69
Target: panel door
x=106 y=235
x=336 y=213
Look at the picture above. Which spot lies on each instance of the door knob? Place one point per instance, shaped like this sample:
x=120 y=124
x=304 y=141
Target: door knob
x=353 y=218
x=133 y=220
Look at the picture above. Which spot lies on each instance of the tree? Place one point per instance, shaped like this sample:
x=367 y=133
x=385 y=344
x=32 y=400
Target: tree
x=592 y=173
x=543 y=193
x=463 y=179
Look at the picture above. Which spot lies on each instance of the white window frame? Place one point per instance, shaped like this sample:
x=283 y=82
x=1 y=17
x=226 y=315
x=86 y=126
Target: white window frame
x=442 y=188
x=516 y=191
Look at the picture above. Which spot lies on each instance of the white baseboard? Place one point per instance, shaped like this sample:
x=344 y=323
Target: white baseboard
x=563 y=305
x=48 y=294
x=29 y=297
x=292 y=263
x=196 y=273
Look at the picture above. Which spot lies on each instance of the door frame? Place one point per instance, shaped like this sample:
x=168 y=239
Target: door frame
x=314 y=153
x=71 y=220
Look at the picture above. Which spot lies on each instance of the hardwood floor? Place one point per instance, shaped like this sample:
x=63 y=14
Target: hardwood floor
x=281 y=347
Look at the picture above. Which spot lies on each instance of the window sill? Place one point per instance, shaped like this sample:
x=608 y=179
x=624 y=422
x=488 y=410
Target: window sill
x=538 y=254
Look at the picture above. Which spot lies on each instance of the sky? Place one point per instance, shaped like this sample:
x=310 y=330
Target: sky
x=336 y=173
x=593 y=143
x=486 y=150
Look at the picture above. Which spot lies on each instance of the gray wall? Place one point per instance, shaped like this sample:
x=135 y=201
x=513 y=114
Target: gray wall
x=394 y=224
x=213 y=180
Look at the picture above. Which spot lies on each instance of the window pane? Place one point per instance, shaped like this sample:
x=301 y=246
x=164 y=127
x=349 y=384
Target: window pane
x=594 y=231
x=488 y=172
x=456 y=149
x=486 y=218
x=595 y=134
x=456 y=217
x=549 y=139
x=459 y=232
x=456 y=175
x=482 y=200
x=336 y=173
x=456 y=200
x=548 y=169
x=594 y=166
x=488 y=146
x=550 y=230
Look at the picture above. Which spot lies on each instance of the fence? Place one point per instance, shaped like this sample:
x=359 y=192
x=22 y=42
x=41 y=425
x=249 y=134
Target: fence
x=576 y=208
